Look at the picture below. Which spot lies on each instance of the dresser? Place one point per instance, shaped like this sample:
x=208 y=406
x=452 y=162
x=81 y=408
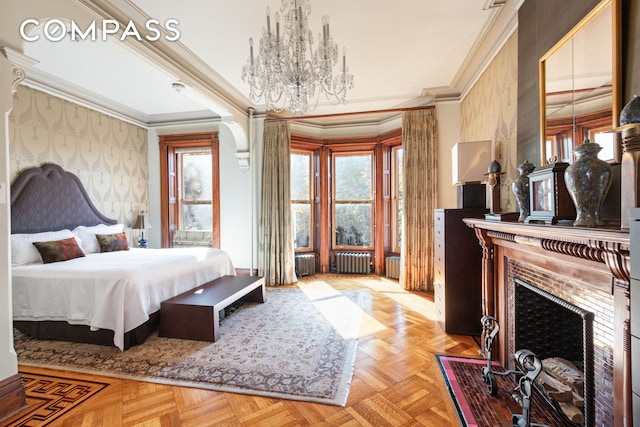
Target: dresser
x=457 y=271
x=634 y=309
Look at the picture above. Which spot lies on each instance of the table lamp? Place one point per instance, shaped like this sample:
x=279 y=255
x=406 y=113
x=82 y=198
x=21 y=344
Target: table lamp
x=141 y=224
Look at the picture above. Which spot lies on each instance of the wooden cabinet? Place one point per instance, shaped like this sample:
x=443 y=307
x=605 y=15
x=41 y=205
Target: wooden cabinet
x=457 y=271
x=634 y=309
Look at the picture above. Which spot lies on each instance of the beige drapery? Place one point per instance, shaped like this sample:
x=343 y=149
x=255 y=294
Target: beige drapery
x=420 y=146
x=276 y=235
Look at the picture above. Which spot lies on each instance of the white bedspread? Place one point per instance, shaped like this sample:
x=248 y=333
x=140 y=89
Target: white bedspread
x=113 y=290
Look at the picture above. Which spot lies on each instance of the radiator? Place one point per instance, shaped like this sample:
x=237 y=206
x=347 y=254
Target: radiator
x=392 y=266
x=348 y=262
x=305 y=265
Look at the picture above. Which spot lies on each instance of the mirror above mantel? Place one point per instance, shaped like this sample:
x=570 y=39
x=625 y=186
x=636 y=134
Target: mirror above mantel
x=580 y=87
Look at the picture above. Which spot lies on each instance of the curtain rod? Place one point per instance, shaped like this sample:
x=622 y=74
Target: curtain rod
x=353 y=113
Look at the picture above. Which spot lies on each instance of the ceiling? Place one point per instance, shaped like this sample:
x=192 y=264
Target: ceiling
x=402 y=53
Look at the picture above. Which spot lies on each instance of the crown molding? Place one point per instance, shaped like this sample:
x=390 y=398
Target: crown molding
x=497 y=32
x=35 y=79
x=175 y=58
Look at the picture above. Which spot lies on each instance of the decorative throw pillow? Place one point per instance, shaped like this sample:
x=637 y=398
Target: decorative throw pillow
x=88 y=235
x=22 y=250
x=59 y=250
x=112 y=242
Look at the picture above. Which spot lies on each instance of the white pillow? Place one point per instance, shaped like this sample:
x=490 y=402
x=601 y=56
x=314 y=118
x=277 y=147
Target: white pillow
x=23 y=252
x=88 y=235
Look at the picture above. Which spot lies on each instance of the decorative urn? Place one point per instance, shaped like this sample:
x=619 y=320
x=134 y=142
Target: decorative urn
x=520 y=187
x=588 y=180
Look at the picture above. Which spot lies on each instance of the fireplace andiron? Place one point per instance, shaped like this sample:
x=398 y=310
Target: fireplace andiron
x=490 y=329
x=529 y=366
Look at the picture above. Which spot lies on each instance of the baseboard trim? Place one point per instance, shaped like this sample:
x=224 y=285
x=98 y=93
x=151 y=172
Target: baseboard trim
x=12 y=396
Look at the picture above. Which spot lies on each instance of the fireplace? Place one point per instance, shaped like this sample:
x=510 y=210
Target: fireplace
x=550 y=326
x=586 y=272
x=596 y=331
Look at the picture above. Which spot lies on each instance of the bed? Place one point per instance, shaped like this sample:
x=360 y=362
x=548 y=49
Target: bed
x=105 y=292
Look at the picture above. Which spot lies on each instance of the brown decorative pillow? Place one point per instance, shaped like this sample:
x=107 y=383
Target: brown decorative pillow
x=112 y=242
x=59 y=250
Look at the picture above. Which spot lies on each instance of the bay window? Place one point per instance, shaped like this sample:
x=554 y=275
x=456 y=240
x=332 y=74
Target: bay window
x=346 y=195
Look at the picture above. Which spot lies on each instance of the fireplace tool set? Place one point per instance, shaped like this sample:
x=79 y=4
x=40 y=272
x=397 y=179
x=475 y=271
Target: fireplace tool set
x=528 y=368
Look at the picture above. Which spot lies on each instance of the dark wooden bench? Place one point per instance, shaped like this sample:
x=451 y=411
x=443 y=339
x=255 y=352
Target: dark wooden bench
x=195 y=314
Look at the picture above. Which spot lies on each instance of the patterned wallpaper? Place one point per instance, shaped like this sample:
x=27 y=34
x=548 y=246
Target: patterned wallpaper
x=108 y=155
x=489 y=111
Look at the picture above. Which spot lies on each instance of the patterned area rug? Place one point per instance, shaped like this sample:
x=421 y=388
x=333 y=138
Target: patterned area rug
x=298 y=345
x=477 y=408
x=49 y=397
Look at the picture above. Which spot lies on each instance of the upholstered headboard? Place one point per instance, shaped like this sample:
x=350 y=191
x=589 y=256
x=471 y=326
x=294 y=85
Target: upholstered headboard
x=47 y=198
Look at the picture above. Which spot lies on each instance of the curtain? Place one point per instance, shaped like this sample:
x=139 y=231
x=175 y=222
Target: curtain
x=276 y=244
x=420 y=146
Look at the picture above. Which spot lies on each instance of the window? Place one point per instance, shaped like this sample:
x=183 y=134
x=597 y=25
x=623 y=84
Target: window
x=346 y=195
x=301 y=199
x=353 y=201
x=397 y=194
x=189 y=185
x=195 y=189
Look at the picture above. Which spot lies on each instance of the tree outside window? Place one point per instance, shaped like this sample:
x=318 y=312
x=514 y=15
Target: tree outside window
x=196 y=189
x=397 y=195
x=301 y=198
x=353 y=200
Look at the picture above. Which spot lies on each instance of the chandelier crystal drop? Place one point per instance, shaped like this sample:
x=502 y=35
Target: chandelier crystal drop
x=286 y=71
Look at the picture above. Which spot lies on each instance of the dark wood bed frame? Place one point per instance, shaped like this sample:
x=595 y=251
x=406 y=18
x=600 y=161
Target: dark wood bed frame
x=48 y=198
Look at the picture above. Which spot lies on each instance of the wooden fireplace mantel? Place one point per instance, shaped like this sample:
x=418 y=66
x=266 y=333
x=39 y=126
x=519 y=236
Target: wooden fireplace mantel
x=594 y=258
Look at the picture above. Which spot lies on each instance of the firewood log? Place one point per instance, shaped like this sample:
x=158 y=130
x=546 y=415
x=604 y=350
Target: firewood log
x=574 y=414
x=565 y=371
x=555 y=389
x=577 y=400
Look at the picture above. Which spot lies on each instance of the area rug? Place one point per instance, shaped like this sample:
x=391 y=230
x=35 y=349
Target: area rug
x=48 y=397
x=477 y=408
x=298 y=345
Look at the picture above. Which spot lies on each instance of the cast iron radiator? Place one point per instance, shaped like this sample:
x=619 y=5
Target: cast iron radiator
x=353 y=262
x=305 y=264
x=392 y=266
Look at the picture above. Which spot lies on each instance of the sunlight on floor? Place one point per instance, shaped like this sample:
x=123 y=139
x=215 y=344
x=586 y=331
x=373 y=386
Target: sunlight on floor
x=334 y=302
x=317 y=289
x=407 y=299
x=342 y=314
x=414 y=302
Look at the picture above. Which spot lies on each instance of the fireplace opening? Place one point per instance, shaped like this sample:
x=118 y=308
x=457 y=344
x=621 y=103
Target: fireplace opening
x=551 y=327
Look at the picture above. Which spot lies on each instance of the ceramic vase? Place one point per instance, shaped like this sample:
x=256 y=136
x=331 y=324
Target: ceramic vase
x=588 y=180
x=631 y=112
x=520 y=188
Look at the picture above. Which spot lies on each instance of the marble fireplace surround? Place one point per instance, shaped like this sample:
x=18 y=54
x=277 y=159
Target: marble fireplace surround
x=584 y=266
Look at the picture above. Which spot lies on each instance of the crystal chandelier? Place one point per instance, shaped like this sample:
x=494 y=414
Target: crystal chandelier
x=287 y=72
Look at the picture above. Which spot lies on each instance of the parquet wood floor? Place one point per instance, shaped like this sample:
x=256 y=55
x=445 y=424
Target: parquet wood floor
x=397 y=381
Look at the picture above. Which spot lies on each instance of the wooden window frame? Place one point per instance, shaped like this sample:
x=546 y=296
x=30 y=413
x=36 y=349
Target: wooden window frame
x=322 y=149
x=310 y=200
x=371 y=200
x=169 y=183
x=395 y=199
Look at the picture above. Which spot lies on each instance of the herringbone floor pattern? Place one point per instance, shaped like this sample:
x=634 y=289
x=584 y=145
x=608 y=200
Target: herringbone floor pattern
x=397 y=381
